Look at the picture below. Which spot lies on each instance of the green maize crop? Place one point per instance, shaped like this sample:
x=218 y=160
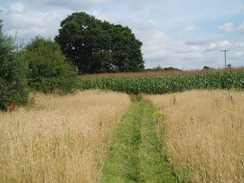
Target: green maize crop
x=165 y=84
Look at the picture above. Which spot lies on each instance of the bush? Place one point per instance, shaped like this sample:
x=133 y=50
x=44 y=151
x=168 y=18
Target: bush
x=48 y=70
x=13 y=84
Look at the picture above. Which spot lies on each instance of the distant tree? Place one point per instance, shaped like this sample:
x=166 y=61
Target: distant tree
x=229 y=66
x=13 y=83
x=159 y=68
x=48 y=70
x=206 y=67
x=171 y=69
x=96 y=46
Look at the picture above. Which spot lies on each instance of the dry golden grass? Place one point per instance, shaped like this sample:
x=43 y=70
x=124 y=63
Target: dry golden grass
x=60 y=138
x=205 y=134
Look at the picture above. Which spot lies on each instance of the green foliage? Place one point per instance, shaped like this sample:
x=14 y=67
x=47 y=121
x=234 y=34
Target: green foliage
x=159 y=68
x=13 y=85
x=47 y=69
x=96 y=46
x=166 y=84
x=126 y=50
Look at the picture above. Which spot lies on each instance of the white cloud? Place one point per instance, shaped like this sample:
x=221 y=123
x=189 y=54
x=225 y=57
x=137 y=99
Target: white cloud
x=28 y=23
x=226 y=28
x=160 y=47
x=240 y=29
x=229 y=28
x=224 y=44
x=142 y=4
x=190 y=28
x=198 y=41
x=16 y=7
x=71 y=4
x=217 y=46
x=212 y=47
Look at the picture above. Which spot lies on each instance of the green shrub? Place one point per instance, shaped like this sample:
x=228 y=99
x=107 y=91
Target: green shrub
x=13 y=84
x=48 y=70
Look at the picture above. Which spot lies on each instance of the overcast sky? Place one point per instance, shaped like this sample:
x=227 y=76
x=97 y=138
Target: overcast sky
x=186 y=34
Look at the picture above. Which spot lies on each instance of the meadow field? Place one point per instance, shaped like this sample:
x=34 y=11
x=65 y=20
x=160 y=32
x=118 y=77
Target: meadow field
x=160 y=129
x=60 y=138
x=203 y=134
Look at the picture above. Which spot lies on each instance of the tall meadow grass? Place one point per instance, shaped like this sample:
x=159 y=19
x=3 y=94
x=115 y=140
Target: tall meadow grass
x=60 y=138
x=204 y=132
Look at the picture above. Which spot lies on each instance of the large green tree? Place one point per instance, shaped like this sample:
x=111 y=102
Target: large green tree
x=48 y=70
x=13 y=83
x=96 y=46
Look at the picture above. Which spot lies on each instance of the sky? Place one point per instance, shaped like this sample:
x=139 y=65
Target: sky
x=186 y=34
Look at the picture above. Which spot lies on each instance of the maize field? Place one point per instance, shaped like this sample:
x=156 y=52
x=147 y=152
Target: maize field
x=156 y=84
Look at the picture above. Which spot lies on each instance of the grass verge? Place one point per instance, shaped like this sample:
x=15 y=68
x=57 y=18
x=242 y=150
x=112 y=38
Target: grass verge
x=135 y=155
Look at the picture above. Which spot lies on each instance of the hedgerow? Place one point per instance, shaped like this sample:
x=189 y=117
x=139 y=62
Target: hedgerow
x=13 y=83
x=48 y=70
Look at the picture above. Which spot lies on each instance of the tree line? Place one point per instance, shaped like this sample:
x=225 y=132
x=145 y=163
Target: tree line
x=84 y=45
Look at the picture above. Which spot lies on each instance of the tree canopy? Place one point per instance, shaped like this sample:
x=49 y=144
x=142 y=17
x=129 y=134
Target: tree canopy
x=96 y=46
x=13 y=83
x=48 y=70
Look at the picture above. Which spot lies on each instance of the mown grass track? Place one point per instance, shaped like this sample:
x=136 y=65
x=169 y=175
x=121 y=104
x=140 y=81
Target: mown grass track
x=135 y=155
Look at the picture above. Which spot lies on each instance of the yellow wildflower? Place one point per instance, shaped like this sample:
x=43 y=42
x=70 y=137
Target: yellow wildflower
x=173 y=98
x=160 y=113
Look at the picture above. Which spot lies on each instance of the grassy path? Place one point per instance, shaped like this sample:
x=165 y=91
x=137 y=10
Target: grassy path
x=135 y=155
